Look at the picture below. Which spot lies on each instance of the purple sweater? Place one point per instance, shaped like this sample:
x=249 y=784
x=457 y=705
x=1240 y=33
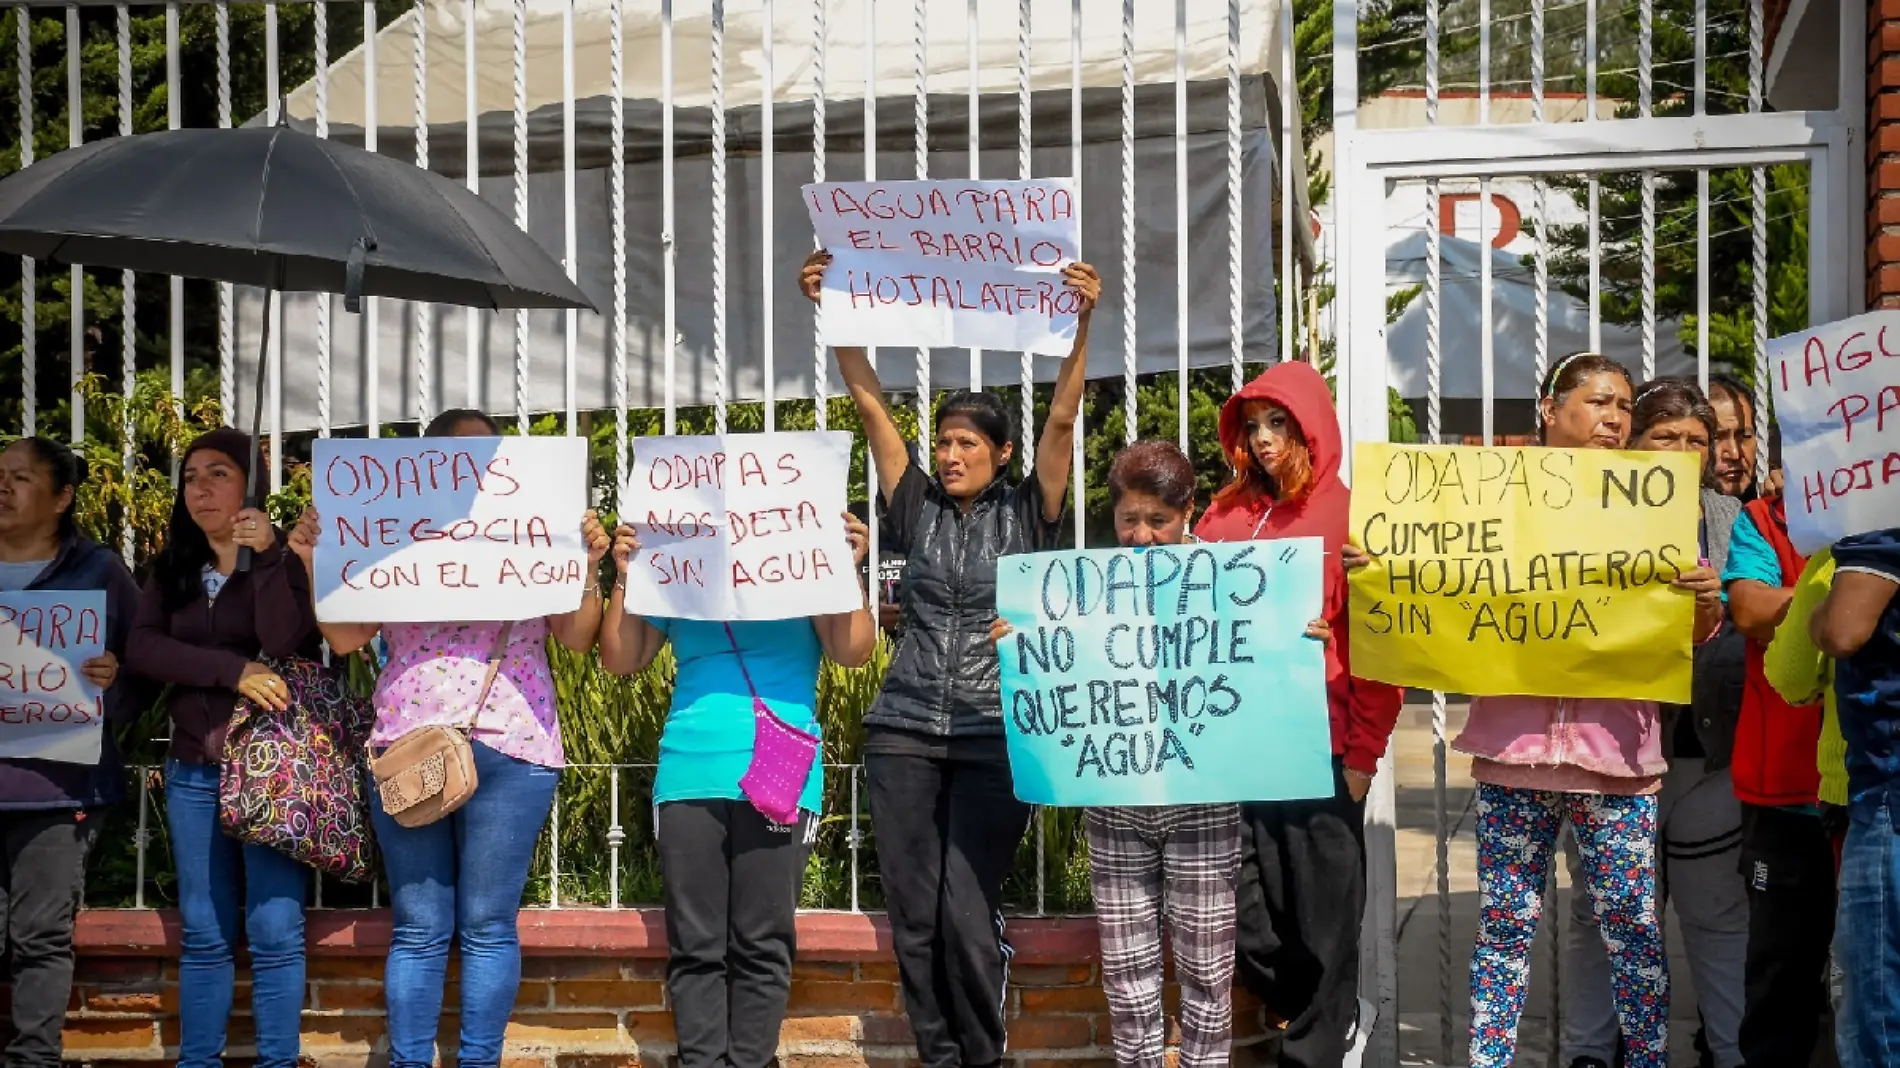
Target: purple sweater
x=201 y=648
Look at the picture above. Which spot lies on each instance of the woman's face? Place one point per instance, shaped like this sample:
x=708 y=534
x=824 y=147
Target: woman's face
x=967 y=460
x=1687 y=434
x=213 y=486
x=1144 y=519
x=1594 y=415
x=29 y=505
x=1734 y=445
x=1270 y=430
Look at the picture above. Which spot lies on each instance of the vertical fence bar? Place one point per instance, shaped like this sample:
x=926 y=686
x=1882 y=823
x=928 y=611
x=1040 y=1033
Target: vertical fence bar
x=1181 y=219
x=1024 y=169
x=617 y=208
x=1595 y=190
x=920 y=128
x=570 y=238
x=424 y=313
x=372 y=362
x=1487 y=368
x=554 y=852
x=1078 y=469
x=520 y=68
x=616 y=834
x=1289 y=203
x=1541 y=254
x=856 y=837
x=870 y=175
x=227 y=370
x=473 y=378
x=1645 y=74
x=321 y=26
x=1131 y=393
x=29 y=283
x=821 y=362
x=173 y=118
x=142 y=838
x=1702 y=274
x=1236 y=312
x=975 y=121
x=128 y=292
x=719 y=213
x=75 y=134
x=668 y=245
x=1701 y=57
x=1758 y=241
x=1434 y=431
x=768 y=135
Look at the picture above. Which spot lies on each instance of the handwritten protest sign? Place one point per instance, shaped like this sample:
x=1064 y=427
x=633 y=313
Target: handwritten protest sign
x=1836 y=388
x=1525 y=570
x=48 y=711
x=740 y=526
x=1174 y=674
x=962 y=263
x=423 y=529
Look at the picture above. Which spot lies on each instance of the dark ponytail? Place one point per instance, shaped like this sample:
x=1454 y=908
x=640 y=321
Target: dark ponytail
x=67 y=469
x=442 y=425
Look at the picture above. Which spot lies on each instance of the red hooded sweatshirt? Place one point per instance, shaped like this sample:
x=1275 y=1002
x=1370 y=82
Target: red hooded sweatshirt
x=1363 y=712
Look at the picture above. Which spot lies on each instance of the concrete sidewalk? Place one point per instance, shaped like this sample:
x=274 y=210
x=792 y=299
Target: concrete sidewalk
x=1435 y=957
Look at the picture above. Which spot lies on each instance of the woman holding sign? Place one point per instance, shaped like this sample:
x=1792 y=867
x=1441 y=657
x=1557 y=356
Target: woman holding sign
x=942 y=802
x=735 y=810
x=1302 y=878
x=204 y=627
x=459 y=878
x=1699 y=820
x=1176 y=864
x=49 y=808
x=1594 y=763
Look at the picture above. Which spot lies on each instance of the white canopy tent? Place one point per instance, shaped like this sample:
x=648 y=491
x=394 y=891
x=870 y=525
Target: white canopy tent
x=425 y=369
x=1513 y=325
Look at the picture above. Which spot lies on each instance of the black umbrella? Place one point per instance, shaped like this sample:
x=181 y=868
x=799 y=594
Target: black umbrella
x=270 y=207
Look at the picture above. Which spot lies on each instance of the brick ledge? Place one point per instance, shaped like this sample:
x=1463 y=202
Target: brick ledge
x=579 y=932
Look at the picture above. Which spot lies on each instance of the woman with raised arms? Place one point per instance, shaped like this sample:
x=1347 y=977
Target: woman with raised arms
x=1302 y=878
x=942 y=801
x=459 y=879
x=731 y=874
x=1177 y=863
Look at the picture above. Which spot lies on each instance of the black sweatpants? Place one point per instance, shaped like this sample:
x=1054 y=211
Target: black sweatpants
x=45 y=862
x=1787 y=863
x=1301 y=898
x=947 y=832
x=732 y=879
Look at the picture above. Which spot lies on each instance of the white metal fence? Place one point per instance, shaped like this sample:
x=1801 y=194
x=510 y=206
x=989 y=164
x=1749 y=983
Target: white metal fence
x=656 y=146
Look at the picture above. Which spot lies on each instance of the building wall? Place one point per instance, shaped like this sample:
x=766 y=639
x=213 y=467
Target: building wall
x=1883 y=153
x=593 y=994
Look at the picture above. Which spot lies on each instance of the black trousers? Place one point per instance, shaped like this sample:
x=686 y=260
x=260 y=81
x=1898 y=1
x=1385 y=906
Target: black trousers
x=732 y=881
x=1787 y=863
x=947 y=833
x=1301 y=898
x=45 y=864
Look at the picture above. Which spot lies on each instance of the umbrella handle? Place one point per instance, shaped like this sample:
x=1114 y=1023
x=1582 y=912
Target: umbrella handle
x=245 y=555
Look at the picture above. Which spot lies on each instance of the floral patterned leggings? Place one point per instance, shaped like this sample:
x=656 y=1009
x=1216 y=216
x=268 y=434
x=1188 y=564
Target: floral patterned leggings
x=1616 y=836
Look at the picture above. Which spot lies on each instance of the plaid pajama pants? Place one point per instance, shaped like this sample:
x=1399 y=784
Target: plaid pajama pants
x=1181 y=861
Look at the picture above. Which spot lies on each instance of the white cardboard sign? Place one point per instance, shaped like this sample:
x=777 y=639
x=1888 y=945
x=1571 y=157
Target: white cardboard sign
x=740 y=526
x=1837 y=397
x=961 y=264
x=449 y=529
x=48 y=711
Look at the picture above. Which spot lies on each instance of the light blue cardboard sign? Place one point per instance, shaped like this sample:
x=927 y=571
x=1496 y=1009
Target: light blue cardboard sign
x=1176 y=674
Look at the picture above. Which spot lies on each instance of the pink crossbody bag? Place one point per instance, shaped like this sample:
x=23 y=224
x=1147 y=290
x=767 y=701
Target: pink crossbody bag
x=782 y=755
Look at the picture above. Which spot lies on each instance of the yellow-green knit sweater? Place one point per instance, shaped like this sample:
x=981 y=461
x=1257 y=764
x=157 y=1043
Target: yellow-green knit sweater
x=1797 y=670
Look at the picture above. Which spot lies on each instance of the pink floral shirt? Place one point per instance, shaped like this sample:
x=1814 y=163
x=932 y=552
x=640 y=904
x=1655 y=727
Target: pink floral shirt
x=434 y=675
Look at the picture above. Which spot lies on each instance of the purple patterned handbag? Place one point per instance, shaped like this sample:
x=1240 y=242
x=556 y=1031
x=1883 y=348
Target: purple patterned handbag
x=297 y=781
x=782 y=755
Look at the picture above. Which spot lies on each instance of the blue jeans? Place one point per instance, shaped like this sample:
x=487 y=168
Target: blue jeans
x=211 y=868
x=1869 y=940
x=460 y=878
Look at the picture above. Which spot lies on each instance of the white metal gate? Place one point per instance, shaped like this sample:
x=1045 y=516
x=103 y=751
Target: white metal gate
x=1675 y=134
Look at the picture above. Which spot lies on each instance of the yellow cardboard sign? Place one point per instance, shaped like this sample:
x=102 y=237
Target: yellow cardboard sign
x=1525 y=570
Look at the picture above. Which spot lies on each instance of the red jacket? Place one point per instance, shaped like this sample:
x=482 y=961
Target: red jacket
x=1774 y=761
x=1363 y=712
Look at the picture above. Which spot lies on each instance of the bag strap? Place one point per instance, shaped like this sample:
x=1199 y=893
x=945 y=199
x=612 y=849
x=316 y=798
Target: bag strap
x=494 y=668
x=740 y=657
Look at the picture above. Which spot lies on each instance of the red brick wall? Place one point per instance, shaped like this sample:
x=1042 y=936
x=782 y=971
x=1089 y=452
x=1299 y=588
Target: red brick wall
x=1883 y=153
x=592 y=995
